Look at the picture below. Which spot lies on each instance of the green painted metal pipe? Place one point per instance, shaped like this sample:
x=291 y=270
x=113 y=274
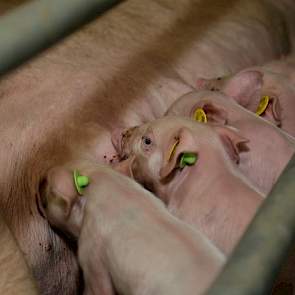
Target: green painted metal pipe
x=36 y=25
x=257 y=259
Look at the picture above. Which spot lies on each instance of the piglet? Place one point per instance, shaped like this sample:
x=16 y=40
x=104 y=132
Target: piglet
x=267 y=90
x=269 y=148
x=127 y=241
x=191 y=167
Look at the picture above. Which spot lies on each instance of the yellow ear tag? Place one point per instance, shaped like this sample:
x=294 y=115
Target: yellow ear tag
x=200 y=115
x=264 y=101
x=172 y=151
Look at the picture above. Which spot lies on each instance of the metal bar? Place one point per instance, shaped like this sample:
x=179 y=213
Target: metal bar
x=257 y=259
x=38 y=24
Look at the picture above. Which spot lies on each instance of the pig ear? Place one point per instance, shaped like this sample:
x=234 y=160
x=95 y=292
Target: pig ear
x=233 y=142
x=273 y=111
x=245 y=87
x=116 y=138
x=59 y=190
x=214 y=113
x=181 y=142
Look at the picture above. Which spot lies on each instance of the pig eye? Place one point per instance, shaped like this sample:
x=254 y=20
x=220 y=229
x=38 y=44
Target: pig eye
x=146 y=140
x=219 y=78
x=147 y=143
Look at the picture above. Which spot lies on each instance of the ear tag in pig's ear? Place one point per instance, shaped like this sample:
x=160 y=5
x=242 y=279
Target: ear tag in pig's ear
x=264 y=101
x=80 y=181
x=173 y=148
x=188 y=159
x=200 y=115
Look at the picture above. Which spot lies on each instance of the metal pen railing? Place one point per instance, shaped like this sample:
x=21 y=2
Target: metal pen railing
x=257 y=259
x=36 y=25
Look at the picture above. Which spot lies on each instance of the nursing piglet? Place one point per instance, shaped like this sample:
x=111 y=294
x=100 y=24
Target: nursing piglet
x=209 y=194
x=268 y=90
x=127 y=240
x=269 y=148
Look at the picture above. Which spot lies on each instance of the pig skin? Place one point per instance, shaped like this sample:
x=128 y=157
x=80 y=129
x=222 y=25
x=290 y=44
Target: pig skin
x=269 y=148
x=275 y=79
x=15 y=276
x=123 y=69
x=211 y=195
x=127 y=240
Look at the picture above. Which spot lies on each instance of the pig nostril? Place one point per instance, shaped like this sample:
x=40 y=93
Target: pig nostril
x=146 y=140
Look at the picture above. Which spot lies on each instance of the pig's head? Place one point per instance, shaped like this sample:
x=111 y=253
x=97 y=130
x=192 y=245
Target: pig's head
x=140 y=149
x=249 y=90
x=155 y=150
x=216 y=106
x=60 y=201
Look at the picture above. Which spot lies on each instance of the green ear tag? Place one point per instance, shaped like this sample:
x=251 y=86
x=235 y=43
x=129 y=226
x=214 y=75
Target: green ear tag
x=80 y=181
x=188 y=159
